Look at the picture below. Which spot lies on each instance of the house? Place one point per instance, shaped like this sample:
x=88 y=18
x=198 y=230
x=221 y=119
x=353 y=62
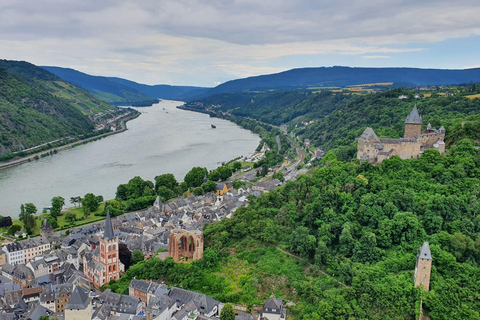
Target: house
x=307 y=143
x=205 y=305
x=223 y=188
x=14 y=252
x=273 y=309
x=22 y=275
x=79 y=307
x=121 y=304
x=160 y=307
x=3 y=257
x=21 y=234
x=247 y=168
x=143 y=290
x=39 y=267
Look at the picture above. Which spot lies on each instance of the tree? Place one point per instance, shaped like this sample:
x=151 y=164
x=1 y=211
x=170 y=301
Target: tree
x=30 y=208
x=70 y=217
x=57 y=205
x=137 y=256
x=236 y=166
x=6 y=222
x=90 y=203
x=30 y=224
x=73 y=200
x=166 y=180
x=198 y=191
x=194 y=178
x=228 y=313
x=279 y=176
x=14 y=228
x=26 y=217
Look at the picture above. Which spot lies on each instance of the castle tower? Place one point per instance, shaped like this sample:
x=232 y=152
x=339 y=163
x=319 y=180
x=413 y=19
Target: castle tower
x=413 y=124
x=423 y=267
x=46 y=230
x=109 y=252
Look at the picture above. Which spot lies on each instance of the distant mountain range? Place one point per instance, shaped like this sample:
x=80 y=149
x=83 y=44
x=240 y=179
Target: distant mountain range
x=120 y=91
x=345 y=76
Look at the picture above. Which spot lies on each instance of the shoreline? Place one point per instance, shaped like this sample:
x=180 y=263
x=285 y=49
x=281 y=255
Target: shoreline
x=54 y=150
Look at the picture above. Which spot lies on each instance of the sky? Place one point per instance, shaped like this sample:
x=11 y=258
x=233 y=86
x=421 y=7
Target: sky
x=205 y=43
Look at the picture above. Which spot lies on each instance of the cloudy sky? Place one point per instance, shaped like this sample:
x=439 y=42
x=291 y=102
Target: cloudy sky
x=203 y=43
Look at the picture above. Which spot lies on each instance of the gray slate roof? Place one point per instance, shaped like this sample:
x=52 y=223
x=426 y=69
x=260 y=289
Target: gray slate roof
x=78 y=300
x=368 y=134
x=414 y=117
x=108 y=234
x=424 y=252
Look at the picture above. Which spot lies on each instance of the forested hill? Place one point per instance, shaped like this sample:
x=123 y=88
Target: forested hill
x=37 y=107
x=344 y=76
x=121 y=91
x=335 y=120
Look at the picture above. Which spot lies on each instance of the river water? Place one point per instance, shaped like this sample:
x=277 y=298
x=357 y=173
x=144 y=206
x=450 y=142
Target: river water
x=162 y=139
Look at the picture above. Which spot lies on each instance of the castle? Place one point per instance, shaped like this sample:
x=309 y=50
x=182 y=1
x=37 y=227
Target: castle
x=373 y=149
x=103 y=263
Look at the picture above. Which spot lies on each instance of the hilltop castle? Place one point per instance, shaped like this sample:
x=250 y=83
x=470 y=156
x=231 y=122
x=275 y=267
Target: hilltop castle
x=373 y=149
x=423 y=267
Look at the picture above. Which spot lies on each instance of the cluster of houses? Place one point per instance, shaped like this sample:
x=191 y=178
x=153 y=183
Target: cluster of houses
x=59 y=276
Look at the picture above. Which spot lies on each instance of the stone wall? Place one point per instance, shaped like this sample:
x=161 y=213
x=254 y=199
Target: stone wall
x=185 y=244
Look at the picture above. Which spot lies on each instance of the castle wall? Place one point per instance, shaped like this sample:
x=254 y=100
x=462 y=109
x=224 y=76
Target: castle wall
x=429 y=139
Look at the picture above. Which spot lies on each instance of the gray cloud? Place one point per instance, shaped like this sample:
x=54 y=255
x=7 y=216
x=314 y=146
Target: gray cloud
x=214 y=40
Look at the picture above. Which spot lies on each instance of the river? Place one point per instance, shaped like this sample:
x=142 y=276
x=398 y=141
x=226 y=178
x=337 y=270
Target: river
x=163 y=139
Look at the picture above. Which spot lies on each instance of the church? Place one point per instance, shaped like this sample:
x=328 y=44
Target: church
x=373 y=149
x=102 y=264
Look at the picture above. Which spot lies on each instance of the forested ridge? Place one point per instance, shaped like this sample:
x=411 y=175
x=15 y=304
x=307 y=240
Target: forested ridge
x=37 y=107
x=338 y=119
x=341 y=242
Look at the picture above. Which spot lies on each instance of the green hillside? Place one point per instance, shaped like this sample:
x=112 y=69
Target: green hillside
x=37 y=107
x=335 y=120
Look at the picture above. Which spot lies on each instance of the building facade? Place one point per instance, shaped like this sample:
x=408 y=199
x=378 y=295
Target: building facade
x=373 y=149
x=103 y=263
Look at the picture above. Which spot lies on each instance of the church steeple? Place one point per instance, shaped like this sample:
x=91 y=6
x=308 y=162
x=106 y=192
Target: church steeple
x=108 y=234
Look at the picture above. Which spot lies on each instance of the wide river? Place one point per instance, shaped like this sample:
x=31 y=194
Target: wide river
x=162 y=139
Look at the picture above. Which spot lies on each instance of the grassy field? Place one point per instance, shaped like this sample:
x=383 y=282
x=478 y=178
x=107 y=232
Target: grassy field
x=473 y=96
x=61 y=220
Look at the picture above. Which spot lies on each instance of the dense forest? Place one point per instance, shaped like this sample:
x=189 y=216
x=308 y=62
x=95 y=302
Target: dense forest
x=341 y=242
x=338 y=119
x=37 y=107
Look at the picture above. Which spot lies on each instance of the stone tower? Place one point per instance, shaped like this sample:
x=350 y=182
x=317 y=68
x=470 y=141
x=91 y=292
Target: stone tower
x=46 y=230
x=109 y=251
x=413 y=124
x=423 y=267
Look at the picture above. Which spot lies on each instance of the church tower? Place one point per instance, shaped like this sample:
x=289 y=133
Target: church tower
x=46 y=230
x=109 y=252
x=423 y=268
x=413 y=124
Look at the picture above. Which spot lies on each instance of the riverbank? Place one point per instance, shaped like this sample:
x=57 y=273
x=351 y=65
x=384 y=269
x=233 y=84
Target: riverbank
x=35 y=156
